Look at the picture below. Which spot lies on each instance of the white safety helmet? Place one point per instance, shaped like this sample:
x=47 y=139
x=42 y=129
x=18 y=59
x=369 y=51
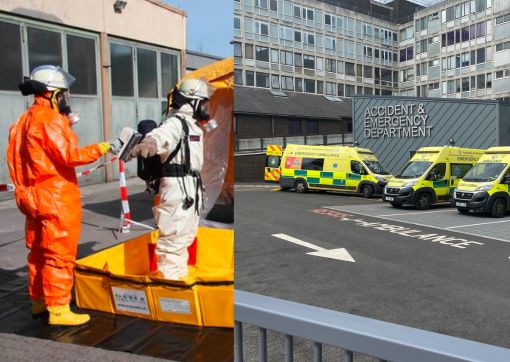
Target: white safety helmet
x=54 y=77
x=196 y=89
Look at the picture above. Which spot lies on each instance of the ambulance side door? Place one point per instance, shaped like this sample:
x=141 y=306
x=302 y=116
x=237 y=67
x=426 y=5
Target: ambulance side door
x=440 y=181
x=457 y=172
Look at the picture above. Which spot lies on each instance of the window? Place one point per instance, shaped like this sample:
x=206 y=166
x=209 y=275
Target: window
x=275 y=82
x=169 y=71
x=459 y=170
x=299 y=84
x=421 y=46
x=121 y=58
x=464 y=59
x=480 y=55
x=438 y=172
x=309 y=38
x=357 y=168
x=465 y=84
x=330 y=88
x=309 y=86
x=488 y=84
x=147 y=73
x=340 y=67
x=297 y=36
x=319 y=63
x=406 y=54
x=250 y=78
x=308 y=14
x=261 y=28
x=341 y=90
x=349 y=90
x=274 y=56
x=315 y=164
x=312 y=127
x=286 y=58
x=503 y=74
x=367 y=72
x=349 y=68
x=237 y=23
x=262 y=80
x=421 y=69
x=433 y=86
x=320 y=87
x=502 y=19
x=238 y=76
x=421 y=24
x=329 y=20
x=237 y=50
x=295 y=127
x=433 y=63
x=297 y=11
x=331 y=65
x=273 y=5
x=10 y=57
x=261 y=4
x=287 y=83
x=44 y=47
x=330 y=43
x=262 y=53
x=308 y=61
x=503 y=46
x=406 y=33
x=298 y=60
x=480 y=81
x=248 y=51
x=407 y=75
x=81 y=57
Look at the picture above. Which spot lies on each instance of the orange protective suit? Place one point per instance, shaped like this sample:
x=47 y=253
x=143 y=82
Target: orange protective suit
x=42 y=154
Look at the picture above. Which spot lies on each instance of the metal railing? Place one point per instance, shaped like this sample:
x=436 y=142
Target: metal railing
x=383 y=340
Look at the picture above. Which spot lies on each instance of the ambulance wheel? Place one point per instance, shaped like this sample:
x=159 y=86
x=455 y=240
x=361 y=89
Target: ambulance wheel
x=398 y=206
x=423 y=201
x=367 y=191
x=300 y=186
x=498 y=208
x=463 y=210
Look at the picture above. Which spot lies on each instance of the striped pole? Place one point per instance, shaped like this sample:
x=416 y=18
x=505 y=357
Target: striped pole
x=6 y=187
x=86 y=172
x=126 y=214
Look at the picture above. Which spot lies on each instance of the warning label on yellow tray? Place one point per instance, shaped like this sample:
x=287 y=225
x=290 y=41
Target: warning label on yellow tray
x=130 y=300
x=172 y=305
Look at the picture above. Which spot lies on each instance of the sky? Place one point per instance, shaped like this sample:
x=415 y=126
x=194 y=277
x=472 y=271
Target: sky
x=210 y=25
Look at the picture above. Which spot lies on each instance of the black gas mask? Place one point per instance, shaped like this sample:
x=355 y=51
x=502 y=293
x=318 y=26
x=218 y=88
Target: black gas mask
x=60 y=99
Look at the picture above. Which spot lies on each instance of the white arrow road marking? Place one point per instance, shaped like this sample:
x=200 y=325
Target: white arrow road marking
x=338 y=254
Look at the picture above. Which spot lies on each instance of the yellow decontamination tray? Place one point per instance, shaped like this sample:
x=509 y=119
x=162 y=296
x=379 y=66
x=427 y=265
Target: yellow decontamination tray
x=116 y=280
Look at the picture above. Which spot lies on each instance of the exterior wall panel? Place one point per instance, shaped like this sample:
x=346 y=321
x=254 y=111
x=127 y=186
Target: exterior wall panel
x=473 y=124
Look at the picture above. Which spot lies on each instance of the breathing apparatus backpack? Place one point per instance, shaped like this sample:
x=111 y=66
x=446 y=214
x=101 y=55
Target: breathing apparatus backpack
x=149 y=169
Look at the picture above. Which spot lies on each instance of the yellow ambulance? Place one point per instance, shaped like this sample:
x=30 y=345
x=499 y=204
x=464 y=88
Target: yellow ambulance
x=334 y=168
x=272 y=165
x=485 y=187
x=430 y=176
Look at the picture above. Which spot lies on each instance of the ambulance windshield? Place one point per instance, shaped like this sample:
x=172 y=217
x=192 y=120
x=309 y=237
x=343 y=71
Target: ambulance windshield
x=484 y=172
x=375 y=167
x=414 y=169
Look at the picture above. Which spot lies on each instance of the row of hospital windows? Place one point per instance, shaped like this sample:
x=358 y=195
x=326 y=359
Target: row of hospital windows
x=78 y=54
x=266 y=80
x=313 y=17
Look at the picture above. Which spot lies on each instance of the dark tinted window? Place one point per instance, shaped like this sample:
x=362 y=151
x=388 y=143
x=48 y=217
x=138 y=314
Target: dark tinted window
x=439 y=170
x=121 y=70
x=169 y=72
x=10 y=56
x=314 y=164
x=81 y=57
x=294 y=126
x=44 y=47
x=459 y=171
x=147 y=73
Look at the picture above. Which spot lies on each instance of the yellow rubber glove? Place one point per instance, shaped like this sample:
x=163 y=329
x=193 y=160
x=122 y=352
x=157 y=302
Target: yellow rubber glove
x=104 y=147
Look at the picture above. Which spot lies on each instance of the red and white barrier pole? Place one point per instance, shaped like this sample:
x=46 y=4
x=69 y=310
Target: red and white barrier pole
x=6 y=187
x=126 y=214
x=86 y=172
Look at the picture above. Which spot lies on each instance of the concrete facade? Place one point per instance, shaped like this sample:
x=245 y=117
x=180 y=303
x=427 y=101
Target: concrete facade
x=394 y=127
x=124 y=63
x=454 y=49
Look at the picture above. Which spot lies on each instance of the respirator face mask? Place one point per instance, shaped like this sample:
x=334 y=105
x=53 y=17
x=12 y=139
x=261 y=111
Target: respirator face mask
x=203 y=117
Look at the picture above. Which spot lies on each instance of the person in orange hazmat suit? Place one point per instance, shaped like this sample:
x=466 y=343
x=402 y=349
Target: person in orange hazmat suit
x=42 y=153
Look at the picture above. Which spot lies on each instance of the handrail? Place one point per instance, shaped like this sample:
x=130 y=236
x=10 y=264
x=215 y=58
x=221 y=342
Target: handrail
x=371 y=337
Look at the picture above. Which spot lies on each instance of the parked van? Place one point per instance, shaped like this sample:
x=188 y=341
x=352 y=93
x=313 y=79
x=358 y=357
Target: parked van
x=430 y=176
x=335 y=168
x=272 y=166
x=485 y=187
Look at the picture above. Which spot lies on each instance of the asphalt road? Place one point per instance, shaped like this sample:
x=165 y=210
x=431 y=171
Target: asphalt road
x=401 y=274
